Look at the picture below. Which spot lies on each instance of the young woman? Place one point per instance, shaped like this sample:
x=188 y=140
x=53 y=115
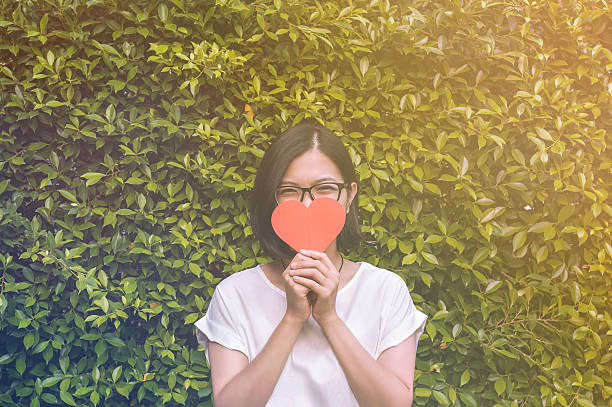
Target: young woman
x=311 y=328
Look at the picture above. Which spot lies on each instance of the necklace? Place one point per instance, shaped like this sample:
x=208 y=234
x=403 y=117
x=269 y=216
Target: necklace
x=339 y=270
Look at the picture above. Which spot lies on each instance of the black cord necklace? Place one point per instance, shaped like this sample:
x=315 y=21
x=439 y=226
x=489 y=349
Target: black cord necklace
x=339 y=270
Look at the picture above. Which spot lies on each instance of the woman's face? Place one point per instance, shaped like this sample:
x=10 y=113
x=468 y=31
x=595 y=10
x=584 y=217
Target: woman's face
x=314 y=167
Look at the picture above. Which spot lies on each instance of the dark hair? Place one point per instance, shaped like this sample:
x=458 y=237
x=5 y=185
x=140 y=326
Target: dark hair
x=289 y=145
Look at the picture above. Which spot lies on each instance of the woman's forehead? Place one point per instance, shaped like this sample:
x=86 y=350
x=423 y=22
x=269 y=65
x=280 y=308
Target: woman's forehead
x=288 y=181
x=313 y=166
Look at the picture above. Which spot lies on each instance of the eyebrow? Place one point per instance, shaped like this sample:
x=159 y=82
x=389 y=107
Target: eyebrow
x=318 y=181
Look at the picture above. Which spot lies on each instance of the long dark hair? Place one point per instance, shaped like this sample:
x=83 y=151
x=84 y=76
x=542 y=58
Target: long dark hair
x=290 y=144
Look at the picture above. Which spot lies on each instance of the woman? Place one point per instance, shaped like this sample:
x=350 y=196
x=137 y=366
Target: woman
x=310 y=328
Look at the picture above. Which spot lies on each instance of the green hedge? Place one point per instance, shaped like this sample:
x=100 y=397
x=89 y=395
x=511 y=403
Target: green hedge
x=130 y=134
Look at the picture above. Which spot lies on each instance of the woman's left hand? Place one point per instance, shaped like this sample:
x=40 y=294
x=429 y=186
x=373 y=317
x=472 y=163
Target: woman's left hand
x=315 y=270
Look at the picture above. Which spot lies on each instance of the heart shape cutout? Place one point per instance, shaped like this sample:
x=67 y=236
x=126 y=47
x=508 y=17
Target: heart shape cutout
x=311 y=227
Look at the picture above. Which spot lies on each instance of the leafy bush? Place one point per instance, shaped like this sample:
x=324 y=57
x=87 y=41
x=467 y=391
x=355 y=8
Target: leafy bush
x=130 y=135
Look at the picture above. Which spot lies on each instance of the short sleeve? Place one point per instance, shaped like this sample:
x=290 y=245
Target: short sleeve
x=220 y=325
x=399 y=318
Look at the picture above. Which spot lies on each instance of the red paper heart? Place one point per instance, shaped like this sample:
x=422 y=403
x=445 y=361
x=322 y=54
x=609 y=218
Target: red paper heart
x=311 y=228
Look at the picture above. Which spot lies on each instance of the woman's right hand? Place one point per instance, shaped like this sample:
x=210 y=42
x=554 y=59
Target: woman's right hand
x=298 y=306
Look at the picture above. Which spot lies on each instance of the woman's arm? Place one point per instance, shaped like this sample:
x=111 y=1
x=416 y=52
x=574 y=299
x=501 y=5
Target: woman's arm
x=238 y=383
x=387 y=381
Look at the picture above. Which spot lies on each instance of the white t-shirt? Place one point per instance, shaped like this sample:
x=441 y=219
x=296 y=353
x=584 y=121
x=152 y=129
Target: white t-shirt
x=246 y=308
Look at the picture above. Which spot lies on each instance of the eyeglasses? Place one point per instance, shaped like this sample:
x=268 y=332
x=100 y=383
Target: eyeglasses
x=323 y=190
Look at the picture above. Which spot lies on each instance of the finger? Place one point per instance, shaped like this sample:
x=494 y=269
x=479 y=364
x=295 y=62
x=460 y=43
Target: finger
x=315 y=264
x=309 y=283
x=308 y=263
x=321 y=256
x=323 y=263
x=299 y=256
x=312 y=273
x=294 y=286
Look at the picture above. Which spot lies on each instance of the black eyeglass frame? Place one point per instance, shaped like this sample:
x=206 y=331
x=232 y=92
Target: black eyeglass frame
x=340 y=185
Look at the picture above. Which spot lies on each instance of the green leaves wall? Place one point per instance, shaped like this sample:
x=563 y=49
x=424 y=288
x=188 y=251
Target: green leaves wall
x=130 y=134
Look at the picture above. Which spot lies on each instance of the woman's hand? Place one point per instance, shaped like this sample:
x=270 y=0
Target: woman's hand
x=298 y=306
x=315 y=271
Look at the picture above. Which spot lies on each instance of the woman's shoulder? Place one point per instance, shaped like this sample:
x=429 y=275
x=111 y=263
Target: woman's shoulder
x=381 y=277
x=239 y=281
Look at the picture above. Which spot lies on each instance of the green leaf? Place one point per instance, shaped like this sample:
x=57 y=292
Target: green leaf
x=68 y=195
x=110 y=113
x=433 y=188
x=124 y=389
x=431 y=331
x=468 y=399
x=92 y=177
x=491 y=213
x=162 y=12
x=40 y=346
x=519 y=240
x=51 y=381
x=542 y=254
x=94 y=398
x=608 y=248
x=195 y=269
x=544 y=134
x=441 y=398
x=465 y=377
x=3 y=185
x=135 y=181
x=565 y=213
x=541 y=227
x=49 y=398
x=260 y=21
x=492 y=286
x=102 y=303
x=191 y=318
x=105 y=47
x=125 y=212
x=506 y=353
x=441 y=314
x=481 y=254
x=575 y=292
x=422 y=392
x=584 y=402
x=55 y=103
x=409 y=258
x=464 y=166
x=67 y=398
x=430 y=257
x=364 y=65
x=256 y=84
x=20 y=365
x=500 y=386
x=113 y=340
x=28 y=340
x=110 y=219
x=43 y=23
x=90 y=337
x=116 y=373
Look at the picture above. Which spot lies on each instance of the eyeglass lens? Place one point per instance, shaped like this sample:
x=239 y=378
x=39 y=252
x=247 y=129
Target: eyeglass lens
x=287 y=193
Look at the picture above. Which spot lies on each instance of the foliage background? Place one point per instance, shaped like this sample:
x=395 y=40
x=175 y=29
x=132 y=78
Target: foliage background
x=130 y=134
